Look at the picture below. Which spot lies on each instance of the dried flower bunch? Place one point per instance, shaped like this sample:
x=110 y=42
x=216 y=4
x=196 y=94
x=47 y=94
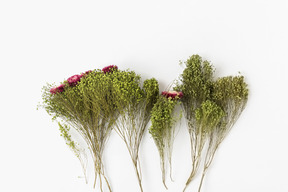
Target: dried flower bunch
x=98 y=101
x=134 y=105
x=95 y=102
x=85 y=102
x=163 y=119
x=210 y=107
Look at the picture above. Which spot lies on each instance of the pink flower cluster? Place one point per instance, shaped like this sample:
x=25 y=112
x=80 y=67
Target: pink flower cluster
x=109 y=69
x=172 y=94
x=57 y=89
x=72 y=81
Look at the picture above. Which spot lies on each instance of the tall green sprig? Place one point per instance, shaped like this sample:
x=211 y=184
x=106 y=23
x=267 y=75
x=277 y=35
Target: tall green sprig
x=230 y=94
x=163 y=118
x=88 y=108
x=134 y=105
x=195 y=83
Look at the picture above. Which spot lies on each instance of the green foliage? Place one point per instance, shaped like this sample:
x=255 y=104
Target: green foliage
x=162 y=130
x=64 y=130
x=208 y=116
x=126 y=88
x=162 y=119
x=211 y=108
x=231 y=94
x=134 y=105
x=97 y=101
x=230 y=88
x=87 y=107
x=151 y=92
x=195 y=84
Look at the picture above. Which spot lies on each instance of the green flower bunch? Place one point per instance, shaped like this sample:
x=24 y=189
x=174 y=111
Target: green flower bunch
x=134 y=105
x=210 y=107
x=85 y=103
x=231 y=95
x=162 y=130
x=96 y=102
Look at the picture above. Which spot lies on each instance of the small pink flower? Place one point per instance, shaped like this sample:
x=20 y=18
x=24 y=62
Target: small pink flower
x=109 y=69
x=73 y=80
x=172 y=94
x=58 y=89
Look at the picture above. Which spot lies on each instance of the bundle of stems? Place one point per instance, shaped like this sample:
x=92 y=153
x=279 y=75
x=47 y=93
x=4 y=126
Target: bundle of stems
x=85 y=103
x=211 y=109
x=162 y=130
x=195 y=84
x=133 y=105
x=231 y=94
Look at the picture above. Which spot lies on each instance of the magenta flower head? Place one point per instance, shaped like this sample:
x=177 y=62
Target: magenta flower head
x=172 y=94
x=73 y=80
x=109 y=69
x=58 y=89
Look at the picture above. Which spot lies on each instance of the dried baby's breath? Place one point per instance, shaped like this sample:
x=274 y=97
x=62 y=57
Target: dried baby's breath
x=163 y=118
x=134 y=105
x=231 y=94
x=210 y=107
x=85 y=104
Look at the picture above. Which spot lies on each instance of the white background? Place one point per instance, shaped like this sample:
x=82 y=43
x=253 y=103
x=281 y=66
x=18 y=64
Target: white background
x=48 y=41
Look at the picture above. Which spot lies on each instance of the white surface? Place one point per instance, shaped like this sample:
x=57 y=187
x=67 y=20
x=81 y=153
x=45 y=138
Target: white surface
x=47 y=41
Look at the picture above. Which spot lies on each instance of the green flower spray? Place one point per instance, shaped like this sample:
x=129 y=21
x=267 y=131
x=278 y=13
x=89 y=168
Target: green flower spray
x=210 y=107
x=163 y=120
x=85 y=103
x=134 y=105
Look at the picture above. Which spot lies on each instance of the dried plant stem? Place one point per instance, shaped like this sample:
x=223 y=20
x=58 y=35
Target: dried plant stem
x=208 y=160
x=127 y=135
x=195 y=167
x=83 y=165
x=202 y=178
x=99 y=173
x=197 y=140
x=166 y=153
x=170 y=168
x=162 y=164
x=139 y=177
x=170 y=150
x=136 y=164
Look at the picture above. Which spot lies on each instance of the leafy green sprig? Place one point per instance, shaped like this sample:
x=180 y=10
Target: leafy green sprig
x=163 y=118
x=133 y=105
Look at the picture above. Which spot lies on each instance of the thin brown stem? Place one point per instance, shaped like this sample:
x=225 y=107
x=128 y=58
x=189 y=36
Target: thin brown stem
x=109 y=187
x=202 y=178
x=138 y=175
x=100 y=179
x=163 y=173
